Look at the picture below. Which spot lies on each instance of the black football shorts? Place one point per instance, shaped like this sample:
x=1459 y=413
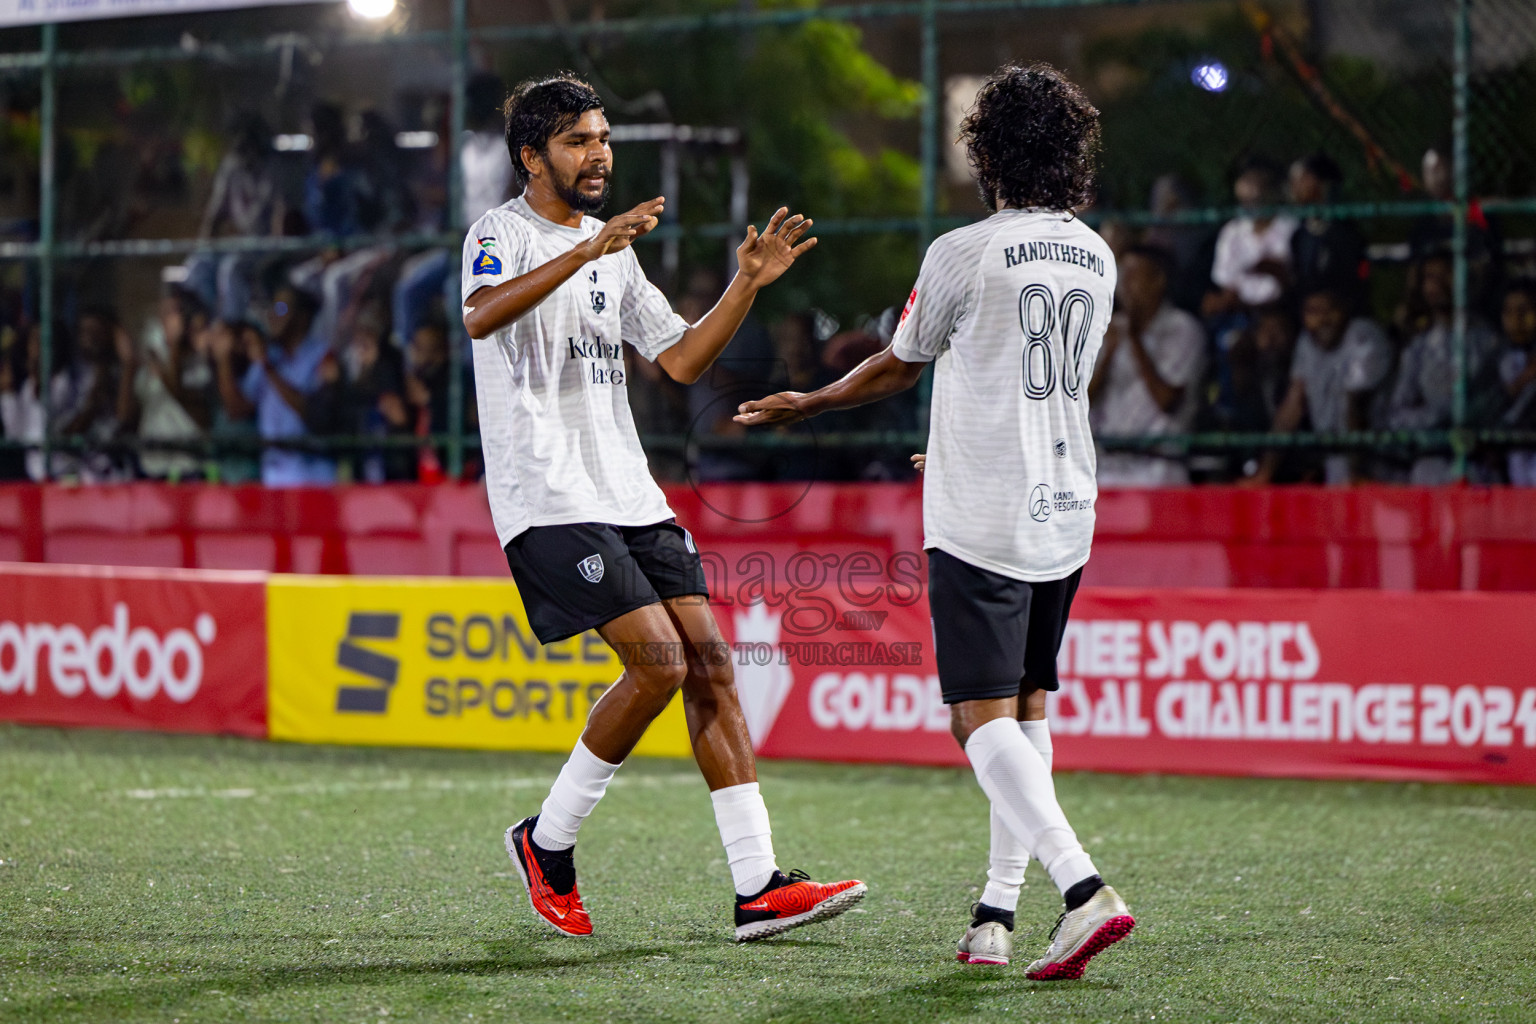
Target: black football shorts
x=576 y=576
x=995 y=636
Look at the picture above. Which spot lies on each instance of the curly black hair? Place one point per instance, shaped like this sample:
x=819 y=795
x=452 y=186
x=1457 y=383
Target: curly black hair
x=541 y=108
x=1033 y=139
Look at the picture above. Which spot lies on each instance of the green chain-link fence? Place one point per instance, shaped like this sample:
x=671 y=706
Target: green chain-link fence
x=844 y=109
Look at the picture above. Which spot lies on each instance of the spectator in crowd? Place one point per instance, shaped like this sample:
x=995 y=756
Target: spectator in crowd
x=384 y=203
x=427 y=391
x=232 y=429
x=281 y=375
x=361 y=393
x=1517 y=372
x=1190 y=247
x=1253 y=252
x=1325 y=253
x=330 y=189
x=246 y=202
x=1260 y=369
x=1340 y=365
x=101 y=389
x=487 y=167
x=1423 y=395
x=1432 y=233
x=1148 y=375
x=167 y=400
x=21 y=406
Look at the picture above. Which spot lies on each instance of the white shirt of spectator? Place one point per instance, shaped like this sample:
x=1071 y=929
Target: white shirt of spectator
x=487 y=173
x=1012 y=311
x=1241 y=246
x=1360 y=363
x=1175 y=342
x=555 y=427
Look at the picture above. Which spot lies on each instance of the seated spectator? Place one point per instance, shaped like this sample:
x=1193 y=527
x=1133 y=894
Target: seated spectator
x=1432 y=233
x=1517 y=372
x=426 y=392
x=223 y=345
x=1253 y=253
x=101 y=388
x=1423 y=396
x=1259 y=378
x=21 y=406
x=362 y=394
x=280 y=376
x=167 y=399
x=1325 y=253
x=1147 y=378
x=1191 y=247
x=1341 y=363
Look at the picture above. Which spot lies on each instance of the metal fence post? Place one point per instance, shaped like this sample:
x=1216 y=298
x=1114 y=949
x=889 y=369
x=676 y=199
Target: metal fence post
x=456 y=122
x=47 y=229
x=932 y=88
x=1460 y=83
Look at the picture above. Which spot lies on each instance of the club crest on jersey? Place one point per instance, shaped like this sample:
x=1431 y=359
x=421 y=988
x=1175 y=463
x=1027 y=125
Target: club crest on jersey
x=485 y=263
x=592 y=568
x=1040 y=503
x=599 y=301
x=1061 y=447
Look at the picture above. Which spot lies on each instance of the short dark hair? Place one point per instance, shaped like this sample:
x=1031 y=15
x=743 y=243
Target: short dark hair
x=541 y=108
x=1322 y=167
x=1033 y=139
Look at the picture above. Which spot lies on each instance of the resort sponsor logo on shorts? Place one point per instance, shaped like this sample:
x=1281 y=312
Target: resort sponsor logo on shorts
x=592 y=568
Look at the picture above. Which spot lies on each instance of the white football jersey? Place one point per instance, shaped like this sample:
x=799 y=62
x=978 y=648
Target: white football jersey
x=1013 y=310
x=555 y=427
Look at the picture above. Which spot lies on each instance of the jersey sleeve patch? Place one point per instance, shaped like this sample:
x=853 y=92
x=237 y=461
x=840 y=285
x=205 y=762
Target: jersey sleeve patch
x=486 y=263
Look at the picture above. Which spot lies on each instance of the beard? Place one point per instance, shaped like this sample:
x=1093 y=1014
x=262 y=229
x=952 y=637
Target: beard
x=581 y=201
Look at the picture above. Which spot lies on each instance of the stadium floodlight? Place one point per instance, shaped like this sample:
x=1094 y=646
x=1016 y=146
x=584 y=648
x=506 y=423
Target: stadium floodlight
x=1211 y=76
x=371 y=8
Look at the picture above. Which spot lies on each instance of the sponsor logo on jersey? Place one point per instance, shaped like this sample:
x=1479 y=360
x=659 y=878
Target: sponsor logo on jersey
x=485 y=263
x=592 y=568
x=1040 y=503
x=907 y=309
x=381 y=669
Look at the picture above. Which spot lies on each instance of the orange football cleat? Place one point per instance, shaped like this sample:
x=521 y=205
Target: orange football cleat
x=550 y=878
x=790 y=901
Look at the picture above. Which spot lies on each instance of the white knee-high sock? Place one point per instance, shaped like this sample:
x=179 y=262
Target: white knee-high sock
x=577 y=789
x=1017 y=782
x=1008 y=857
x=743 y=820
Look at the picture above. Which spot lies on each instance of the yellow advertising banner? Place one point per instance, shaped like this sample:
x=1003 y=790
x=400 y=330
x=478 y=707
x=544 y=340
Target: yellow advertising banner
x=432 y=663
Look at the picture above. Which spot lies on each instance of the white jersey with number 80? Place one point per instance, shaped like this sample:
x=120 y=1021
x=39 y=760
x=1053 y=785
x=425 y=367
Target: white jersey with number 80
x=1013 y=311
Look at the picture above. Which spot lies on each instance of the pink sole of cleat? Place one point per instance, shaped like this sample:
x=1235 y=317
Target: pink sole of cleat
x=1109 y=933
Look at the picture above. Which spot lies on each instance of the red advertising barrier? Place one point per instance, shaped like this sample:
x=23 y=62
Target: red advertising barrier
x=134 y=649
x=1240 y=682
x=1376 y=537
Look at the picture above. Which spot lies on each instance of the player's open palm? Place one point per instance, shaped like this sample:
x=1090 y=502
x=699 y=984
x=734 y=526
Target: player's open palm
x=763 y=258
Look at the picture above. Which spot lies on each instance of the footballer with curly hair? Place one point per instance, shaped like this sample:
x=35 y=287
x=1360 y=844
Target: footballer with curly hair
x=1011 y=311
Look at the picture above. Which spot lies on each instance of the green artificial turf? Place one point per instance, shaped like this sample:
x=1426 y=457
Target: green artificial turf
x=194 y=879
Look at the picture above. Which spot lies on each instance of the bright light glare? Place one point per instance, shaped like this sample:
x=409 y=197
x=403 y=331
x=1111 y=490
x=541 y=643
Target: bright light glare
x=1211 y=76
x=371 y=8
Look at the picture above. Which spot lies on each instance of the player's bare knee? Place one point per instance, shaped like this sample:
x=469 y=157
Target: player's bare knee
x=660 y=677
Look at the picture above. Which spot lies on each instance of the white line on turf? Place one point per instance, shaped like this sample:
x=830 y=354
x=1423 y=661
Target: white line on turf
x=382 y=785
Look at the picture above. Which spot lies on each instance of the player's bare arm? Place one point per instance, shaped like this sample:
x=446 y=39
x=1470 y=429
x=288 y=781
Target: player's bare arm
x=761 y=259
x=490 y=309
x=880 y=376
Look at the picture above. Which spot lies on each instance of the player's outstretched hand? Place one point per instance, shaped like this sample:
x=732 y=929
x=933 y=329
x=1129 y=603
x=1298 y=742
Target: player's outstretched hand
x=920 y=461
x=783 y=407
x=621 y=231
x=763 y=258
